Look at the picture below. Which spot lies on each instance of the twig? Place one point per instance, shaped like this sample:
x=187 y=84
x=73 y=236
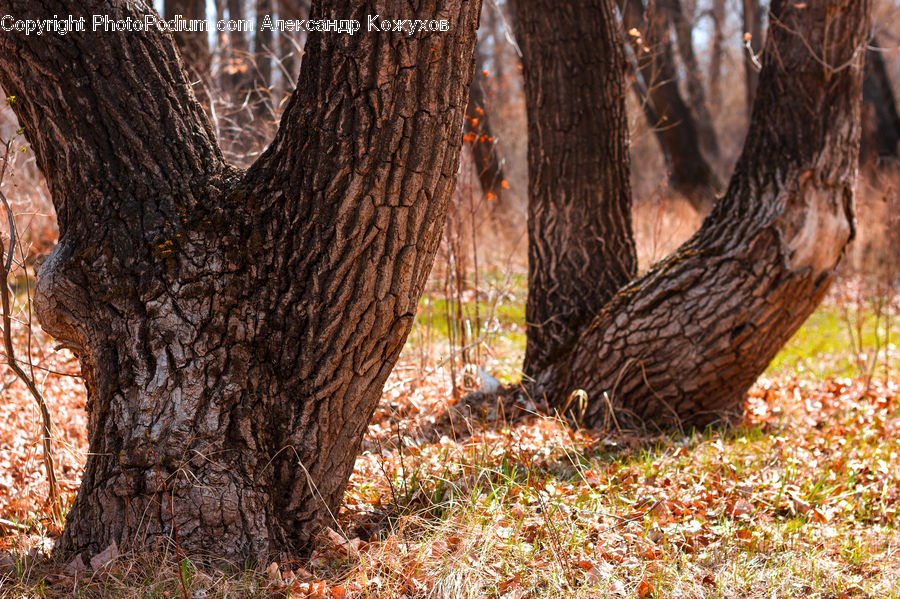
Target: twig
x=14 y=365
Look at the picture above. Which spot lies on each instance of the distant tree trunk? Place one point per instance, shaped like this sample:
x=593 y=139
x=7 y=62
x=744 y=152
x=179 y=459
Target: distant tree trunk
x=673 y=123
x=238 y=69
x=580 y=247
x=234 y=327
x=881 y=123
x=683 y=343
x=193 y=45
x=290 y=43
x=263 y=51
x=752 y=20
x=485 y=155
x=717 y=51
x=684 y=28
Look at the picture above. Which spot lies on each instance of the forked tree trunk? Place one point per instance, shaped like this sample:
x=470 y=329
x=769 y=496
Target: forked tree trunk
x=752 y=21
x=667 y=113
x=684 y=342
x=580 y=247
x=193 y=45
x=235 y=328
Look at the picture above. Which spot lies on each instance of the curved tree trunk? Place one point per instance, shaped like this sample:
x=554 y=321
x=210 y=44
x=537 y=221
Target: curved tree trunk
x=683 y=343
x=580 y=247
x=234 y=328
x=667 y=113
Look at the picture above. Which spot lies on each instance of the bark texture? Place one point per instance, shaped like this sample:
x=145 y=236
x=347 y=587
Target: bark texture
x=234 y=327
x=881 y=123
x=683 y=343
x=667 y=113
x=580 y=247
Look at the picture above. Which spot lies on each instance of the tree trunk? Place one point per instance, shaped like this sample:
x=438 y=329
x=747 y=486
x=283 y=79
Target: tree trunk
x=290 y=43
x=752 y=20
x=485 y=154
x=238 y=68
x=881 y=123
x=675 y=127
x=717 y=52
x=580 y=247
x=193 y=45
x=234 y=327
x=683 y=343
x=684 y=28
x=263 y=51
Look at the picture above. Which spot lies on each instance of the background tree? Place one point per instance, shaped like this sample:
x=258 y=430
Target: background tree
x=193 y=45
x=234 y=327
x=881 y=123
x=717 y=14
x=263 y=53
x=683 y=25
x=580 y=248
x=485 y=153
x=684 y=342
x=675 y=127
x=753 y=43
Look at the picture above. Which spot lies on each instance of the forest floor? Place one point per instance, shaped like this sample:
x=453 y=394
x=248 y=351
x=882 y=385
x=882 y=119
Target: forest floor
x=481 y=499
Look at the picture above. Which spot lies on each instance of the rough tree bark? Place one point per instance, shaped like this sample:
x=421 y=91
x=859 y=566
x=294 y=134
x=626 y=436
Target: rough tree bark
x=193 y=45
x=684 y=342
x=234 y=327
x=485 y=154
x=881 y=123
x=580 y=247
x=667 y=113
x=752 y=21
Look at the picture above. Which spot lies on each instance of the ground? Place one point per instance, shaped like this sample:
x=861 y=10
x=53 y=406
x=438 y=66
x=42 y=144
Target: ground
x=457 y=497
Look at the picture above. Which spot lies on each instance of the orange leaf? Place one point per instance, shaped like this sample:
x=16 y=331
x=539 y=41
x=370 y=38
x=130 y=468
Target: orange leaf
x=338 y=592
x=644 y=589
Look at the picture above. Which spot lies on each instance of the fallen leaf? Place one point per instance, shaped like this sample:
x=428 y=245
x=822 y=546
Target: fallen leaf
x=644 y=589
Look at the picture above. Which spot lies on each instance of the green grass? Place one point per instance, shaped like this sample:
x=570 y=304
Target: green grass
x=823 y=347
